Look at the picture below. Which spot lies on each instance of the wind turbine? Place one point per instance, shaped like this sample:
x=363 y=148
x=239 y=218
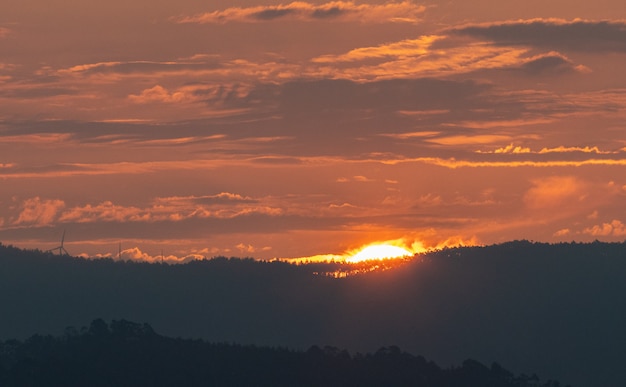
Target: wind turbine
x=61 y=249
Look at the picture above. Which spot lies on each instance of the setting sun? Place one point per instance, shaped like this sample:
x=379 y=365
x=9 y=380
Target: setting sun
x=382 y=251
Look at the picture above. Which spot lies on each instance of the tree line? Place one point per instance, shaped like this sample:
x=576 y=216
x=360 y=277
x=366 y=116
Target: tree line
x=125 y=353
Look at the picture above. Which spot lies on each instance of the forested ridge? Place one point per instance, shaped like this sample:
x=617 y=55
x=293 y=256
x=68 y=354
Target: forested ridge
x=557 y=310
x=125 y=353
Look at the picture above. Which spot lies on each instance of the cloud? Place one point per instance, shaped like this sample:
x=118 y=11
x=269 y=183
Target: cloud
x=553 y=192
x=221 y=198
x=4 y=32
x=394 y=12
x=39 y=212
x=170 y=209
x=106 y=212
x=403 y=48
x=248 y=248
x=96 y=169
x=358 y=178
x=141 y=67
x=227 y=99
x=341 y=206
x=562 y=232
x=614 y=228
x=469 y=140
x=455 y=163
x=551 y=63
x=577 y=35
x=160 y=94
x=136 y=254
x=512 y=149
x=362 y=179
x=419 y=58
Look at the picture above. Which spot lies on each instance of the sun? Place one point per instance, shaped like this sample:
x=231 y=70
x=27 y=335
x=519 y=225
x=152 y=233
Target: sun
x=378 y=251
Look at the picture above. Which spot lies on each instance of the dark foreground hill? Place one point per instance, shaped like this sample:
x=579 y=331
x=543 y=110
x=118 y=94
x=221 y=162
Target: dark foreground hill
x=130 y=354
x=555 y=310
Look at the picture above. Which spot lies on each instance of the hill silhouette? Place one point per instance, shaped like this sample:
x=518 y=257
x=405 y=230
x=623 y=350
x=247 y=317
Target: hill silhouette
x=124 y=353
x=555 y=310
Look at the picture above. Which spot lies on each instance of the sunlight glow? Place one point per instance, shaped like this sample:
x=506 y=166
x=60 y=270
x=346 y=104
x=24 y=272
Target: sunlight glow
x=378 y=251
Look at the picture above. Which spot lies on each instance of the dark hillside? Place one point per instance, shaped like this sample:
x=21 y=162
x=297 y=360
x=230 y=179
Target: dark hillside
x=557 y=310
x=130 y=354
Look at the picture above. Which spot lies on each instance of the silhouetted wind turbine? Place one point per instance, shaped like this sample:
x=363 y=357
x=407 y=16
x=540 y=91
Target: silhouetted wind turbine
x=61 y=249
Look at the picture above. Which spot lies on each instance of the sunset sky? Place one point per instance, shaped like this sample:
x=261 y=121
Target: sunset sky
x=277 y=129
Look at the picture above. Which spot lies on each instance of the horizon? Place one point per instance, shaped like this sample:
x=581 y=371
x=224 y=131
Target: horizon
x=343 y=259
x=307 y=129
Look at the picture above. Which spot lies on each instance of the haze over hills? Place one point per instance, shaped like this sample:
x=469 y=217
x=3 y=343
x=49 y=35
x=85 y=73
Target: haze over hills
x=555 y=310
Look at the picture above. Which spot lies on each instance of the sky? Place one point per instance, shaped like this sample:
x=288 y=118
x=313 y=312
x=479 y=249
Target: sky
x=268 y=129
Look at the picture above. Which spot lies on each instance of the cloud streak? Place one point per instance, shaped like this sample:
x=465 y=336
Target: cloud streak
x=344 y=11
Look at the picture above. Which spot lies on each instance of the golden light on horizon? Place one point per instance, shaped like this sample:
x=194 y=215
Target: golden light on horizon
x=379 y=251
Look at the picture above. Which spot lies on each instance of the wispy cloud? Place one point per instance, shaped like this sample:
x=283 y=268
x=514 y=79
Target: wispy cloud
x=141 y=67
x=38 y=212
x=469 y=140
x=405 y=12
x=439 y=55
x=560 y=149
x=454 y=163
x=403 y=48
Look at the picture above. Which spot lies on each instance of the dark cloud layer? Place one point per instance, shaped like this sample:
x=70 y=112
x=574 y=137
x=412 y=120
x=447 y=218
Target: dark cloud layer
x=577 y=35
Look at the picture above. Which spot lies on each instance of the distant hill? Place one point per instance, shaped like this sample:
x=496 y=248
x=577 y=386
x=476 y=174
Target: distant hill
x=124 y=353
x=555 y=310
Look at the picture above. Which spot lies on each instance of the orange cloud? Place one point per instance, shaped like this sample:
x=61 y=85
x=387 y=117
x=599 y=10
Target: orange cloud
x=248 y=248
x=422 y=62
x=173 y=209
x=4 y=32
x=403 y=48
x=512 y=149
x=405 y=12
x=39 y=212
x=94 y=169
x=359 y=178
x=614 y=228
x=105 y=211
x=136 y=254
x=362 y=179
x=455 y=163
x=191 y=93
x=563 y=149
x=491 y=124
x=553 y=192
x=469 y=140
x=562 y=232
x=160 y=94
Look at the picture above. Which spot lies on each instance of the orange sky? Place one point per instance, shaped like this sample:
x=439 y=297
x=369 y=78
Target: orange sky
x=271 y=129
